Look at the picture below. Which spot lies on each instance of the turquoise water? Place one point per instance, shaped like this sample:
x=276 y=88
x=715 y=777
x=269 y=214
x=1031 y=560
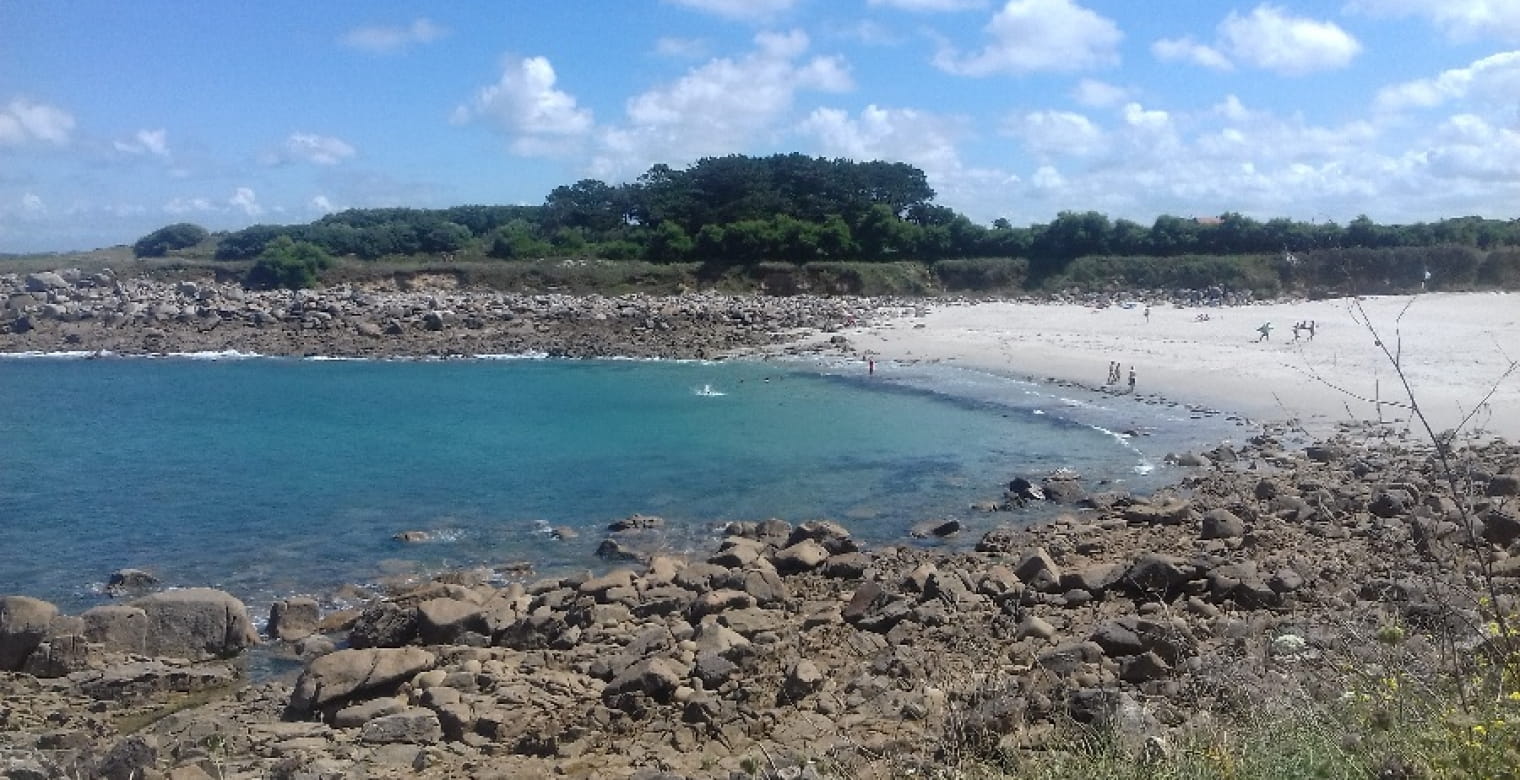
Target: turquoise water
x=268 y=477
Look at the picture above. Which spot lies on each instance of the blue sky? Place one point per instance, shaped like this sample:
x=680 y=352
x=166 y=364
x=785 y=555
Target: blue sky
x=117 y=118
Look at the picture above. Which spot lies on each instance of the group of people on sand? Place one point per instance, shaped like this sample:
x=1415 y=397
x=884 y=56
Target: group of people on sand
x=1299 y=328
x=1116 y=371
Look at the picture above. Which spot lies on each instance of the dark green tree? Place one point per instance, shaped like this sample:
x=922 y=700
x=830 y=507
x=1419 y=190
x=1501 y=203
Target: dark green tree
x=290 y=264
x=180 y=235
x=667 y=243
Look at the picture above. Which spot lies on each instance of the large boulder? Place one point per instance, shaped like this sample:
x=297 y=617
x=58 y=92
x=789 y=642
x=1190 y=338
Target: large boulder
x=196 y=623
x=24 y=624
x=415 y=725
x=293 y=619
x=43 y=281
x=443 y=621
x=384 y=624
x=117 y=627
x=1221 y=524
x=338 y=677
x=130 y=581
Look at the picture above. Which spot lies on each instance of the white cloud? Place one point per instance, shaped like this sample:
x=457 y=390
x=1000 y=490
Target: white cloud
x=925 y=140
x=1048 y=133
x=311 y=148
x=1235 y=157
x=23 y=121
x=322 y=205
x=1039 y=35
x=684 y=48
x=1099 y=94
x=743 y=10
x=154 y=142
x=1186 y=49
x=1047 y=178
x=1496 y=76
x=244 y=200
x=189 y=206
x=1468 y=147
x=931 y=5
x=1271 y=39
x=1461 y=20
x=921 y=139
x=1232 y=109
x=719 y=107
x=540 y=119
x=31 y=203
x=389 y=40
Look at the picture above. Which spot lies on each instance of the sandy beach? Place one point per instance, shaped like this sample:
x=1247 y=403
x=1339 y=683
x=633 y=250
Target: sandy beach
x=1456 y=347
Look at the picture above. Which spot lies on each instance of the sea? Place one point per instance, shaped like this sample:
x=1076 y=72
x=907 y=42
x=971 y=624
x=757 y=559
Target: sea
x=270 y=477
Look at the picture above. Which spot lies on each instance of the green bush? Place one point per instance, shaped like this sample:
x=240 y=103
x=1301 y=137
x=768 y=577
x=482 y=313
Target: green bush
x=1258 y=273
x=982 y=273
x=180 y=235
x=286 y=263
x=1501 y=269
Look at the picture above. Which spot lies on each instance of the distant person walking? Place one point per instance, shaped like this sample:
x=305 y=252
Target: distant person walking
x=1266 y=332
x=1147 y=315
x=1311 y=330
x=1131 y=380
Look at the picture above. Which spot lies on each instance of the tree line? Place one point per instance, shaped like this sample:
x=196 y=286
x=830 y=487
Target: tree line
x=740 y=211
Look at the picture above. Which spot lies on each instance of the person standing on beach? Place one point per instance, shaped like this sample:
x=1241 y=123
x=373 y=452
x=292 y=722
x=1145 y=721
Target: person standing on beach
x=1131 y=380
x=1147 y=315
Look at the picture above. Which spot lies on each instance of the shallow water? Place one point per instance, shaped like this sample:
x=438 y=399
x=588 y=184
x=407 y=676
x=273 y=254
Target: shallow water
x=269 y=477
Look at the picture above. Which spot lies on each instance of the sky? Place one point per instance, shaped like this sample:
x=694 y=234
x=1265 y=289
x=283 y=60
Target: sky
x=117 y=118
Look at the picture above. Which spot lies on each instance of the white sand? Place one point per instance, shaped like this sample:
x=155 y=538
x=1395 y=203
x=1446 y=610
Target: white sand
x=1455 y=348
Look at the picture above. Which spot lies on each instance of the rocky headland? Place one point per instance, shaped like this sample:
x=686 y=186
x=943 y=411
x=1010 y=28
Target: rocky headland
x=419 y=316
x=791 y=651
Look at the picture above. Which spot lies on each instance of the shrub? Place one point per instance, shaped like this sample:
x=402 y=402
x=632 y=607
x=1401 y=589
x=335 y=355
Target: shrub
x=290 y=264
x=180 y=235
x=1237 y=272
x=1501 y=269
x=982 y=273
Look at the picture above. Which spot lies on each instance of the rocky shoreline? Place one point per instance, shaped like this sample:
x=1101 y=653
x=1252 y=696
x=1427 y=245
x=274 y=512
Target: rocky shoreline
x=70 y=311
x=793 y=652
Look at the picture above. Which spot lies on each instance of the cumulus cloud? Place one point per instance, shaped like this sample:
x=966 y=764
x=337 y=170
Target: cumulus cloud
x=189 y=206
x=1099 y=94
x=322 y=205
x=1274 y=40
x=743 y=10
x=1469 y=147
x=1186 y=49
x=23 y=122
x=391 y=39
x=1047 y=133
x=31 y=203
x=718 y=107
x=1039 y=35
x=243 y=199
x=922 y=139
x=145 y=142
x=311 y=148
x=1143 y=160
x=1496 y=76
x=1461 y=20
x=524 y=103
x=684 y=48
x=931 y=5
